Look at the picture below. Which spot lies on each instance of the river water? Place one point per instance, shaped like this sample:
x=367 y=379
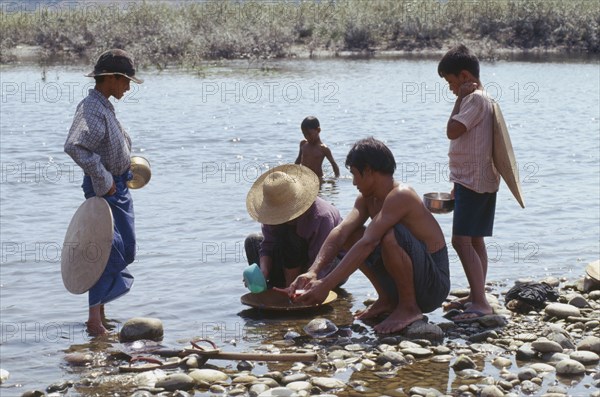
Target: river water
x=208 y=134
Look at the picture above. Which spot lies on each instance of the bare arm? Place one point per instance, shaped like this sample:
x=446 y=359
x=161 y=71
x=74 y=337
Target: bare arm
x=299 y=158
x=455 y=129
x=334 y=165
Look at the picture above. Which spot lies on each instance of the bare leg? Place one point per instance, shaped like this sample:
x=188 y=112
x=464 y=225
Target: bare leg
x=94 y=323
x=383 y=304
x=473 y=256
x=400 y=267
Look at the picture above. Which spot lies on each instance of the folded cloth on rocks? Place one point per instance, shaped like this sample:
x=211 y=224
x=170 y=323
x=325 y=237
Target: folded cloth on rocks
x=532 y=293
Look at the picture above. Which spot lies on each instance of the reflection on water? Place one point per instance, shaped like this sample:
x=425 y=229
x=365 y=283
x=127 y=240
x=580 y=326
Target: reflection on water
x=207 y=147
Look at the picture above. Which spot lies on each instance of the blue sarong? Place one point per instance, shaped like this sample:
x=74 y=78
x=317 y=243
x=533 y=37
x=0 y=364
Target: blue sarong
x=115 y=281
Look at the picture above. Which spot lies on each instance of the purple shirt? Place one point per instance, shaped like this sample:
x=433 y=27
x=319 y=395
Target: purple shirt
x=313 y=226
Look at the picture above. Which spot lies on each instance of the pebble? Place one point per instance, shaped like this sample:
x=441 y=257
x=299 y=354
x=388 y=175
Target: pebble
x=277 y=392
x=585 y=357
x=139 y=328
x=177 y=381
x=590 y=343
x=570 y=367
x=546 y=346
x=491 y=391
x=463 y=362
x=501 y=362
x=208 y=376
x=561 y=310
x=328 y=383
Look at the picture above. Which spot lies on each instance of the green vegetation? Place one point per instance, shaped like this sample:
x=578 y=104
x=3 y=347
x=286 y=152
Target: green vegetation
x=186 y=33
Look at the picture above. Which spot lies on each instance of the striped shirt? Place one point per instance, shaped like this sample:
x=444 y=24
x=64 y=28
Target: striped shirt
x=97 y=142
x=471 y=163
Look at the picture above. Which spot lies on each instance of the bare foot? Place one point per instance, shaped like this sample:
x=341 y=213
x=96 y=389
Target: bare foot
x=376 y=309
x=96 y=329
x=473 y=312
x=397 y=321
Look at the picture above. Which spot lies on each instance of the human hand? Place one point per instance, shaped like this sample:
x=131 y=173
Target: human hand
x=112 y=190
x=313 y=293
x=301 y=282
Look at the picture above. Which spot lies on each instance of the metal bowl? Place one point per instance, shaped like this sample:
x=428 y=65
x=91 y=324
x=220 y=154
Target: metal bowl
x=438 y=203
x=140 y=167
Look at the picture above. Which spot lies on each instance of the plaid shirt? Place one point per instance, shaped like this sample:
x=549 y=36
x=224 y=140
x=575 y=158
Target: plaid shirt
x=97 y=142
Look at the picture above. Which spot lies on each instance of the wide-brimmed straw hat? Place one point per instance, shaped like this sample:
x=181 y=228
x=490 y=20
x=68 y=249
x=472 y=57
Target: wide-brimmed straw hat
x=593 y=270
x=87 y=245
x=281 y=194
x=115 y=61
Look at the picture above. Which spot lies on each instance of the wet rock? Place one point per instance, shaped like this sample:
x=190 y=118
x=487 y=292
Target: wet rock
x=441 y=358
x=585 y=357
x=392 y=357
x=59 y=386
x=423 y=391
x=291 y=335
x=78 y=359
x=483 y=336
x=546 y=346
x=217 y=389
x=178 y=381
x=554 y=358
x=277 y=392
x=541 y=368
x=33 y=393
x=245 y=366
x=501 y=362
x=561 y=310
x=578 y=301
x=528 y=387
x=423 y=330
x=590 y=343
x=294 y=378
x=298 y=386
x=244 y=379
x=417 y=352
x=526 y=374
x=320 y=328
x=257 y=389
x=570 y=367
x=491 y=391
x=141 y=328
x=463 y=362
x=208 y=376
x=328 y=383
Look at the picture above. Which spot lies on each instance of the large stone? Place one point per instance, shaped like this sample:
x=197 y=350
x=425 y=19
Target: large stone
x=562 y=310
x=463 y=362
x=570 y=367
x=328 y=383
x=423 y=330
x=590 y=343
x=491 y=391
x=178 y=381
x=208 y=376
x=139 y=328
x=546 y=346
x=585 y=357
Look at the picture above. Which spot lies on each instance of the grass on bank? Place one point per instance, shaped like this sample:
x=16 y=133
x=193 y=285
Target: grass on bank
x=186 y=33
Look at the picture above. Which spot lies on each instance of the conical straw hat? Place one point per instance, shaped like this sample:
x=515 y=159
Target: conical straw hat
x=87 y=245
x=282 y=194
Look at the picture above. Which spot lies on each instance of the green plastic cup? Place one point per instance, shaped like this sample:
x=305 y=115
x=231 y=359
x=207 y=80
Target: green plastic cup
x=255 y=280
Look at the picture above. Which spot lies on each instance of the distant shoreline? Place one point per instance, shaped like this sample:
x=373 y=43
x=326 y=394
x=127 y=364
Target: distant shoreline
x=166 y=34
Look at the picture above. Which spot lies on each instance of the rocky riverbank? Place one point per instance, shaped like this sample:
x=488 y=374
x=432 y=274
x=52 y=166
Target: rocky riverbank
x=551 y=352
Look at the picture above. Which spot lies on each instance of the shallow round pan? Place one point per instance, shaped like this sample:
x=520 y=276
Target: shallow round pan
x=273 y=300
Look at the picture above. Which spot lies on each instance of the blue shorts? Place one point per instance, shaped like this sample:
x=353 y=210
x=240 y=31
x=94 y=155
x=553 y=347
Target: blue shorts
x=431 y=274
x=473 y=212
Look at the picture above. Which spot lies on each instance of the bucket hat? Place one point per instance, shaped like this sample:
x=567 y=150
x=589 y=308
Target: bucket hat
x=115 y=61
x=87 y=245
x=281 y=194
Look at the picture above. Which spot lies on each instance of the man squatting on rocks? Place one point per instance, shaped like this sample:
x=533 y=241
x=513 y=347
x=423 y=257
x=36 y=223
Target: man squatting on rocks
x=102 y=148
x=402 y=251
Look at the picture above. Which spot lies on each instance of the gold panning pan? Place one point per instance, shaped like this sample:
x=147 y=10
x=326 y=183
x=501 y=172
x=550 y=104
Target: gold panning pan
x=276 y=301
x=140 y=167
